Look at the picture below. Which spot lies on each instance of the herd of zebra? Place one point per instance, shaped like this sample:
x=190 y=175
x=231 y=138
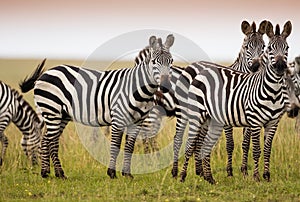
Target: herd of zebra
x=254 y=92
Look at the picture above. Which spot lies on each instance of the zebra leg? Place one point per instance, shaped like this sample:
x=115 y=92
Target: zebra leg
x=229 y=148
x=197 y=151
x=245 y=147
x=213 y=135
x=198 y=159
x=50 y=146
x=4 y=142
x=128 y=150
x=53 y=147
x=30 y=148
x=269 y=135
x=193 y=136
x=116 y=139
x=45 y=157
x=190 y=147
x=255 y=132
x=180 y=127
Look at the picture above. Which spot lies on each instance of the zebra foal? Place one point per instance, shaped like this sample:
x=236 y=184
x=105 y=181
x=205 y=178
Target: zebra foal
x=14 y=108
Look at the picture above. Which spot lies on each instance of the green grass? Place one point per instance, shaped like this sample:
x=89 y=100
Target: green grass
x=87 y=179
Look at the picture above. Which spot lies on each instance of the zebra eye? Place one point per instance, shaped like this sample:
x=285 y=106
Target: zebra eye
x=153 y=62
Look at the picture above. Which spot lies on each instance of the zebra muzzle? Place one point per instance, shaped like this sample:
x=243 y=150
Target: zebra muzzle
x=255 y=65
x=165 y=84
x=280 y=65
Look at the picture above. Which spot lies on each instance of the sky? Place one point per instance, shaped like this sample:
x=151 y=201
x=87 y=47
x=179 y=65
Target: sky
x=75 y=29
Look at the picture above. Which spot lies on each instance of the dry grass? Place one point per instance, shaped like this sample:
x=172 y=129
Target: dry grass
x=88 y=180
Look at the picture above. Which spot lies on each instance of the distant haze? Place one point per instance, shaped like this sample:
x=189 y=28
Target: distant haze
x=74 y=29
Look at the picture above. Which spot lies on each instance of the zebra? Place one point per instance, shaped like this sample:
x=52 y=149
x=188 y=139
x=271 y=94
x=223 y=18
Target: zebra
x=292 y=81
x=120 y=98
x=14 y=108
x=247 y=61
x=164 y=107
x=220 y=96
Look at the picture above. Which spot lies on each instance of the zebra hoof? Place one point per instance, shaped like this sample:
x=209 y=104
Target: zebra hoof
x=60 y=174
x=45 y=173
x=244 y=170
x=127 y=175
x=174 y=172
x=266 y=176
x=200 y=173
x=210 y=179
x=256 y=177
x=1 y=162
x=229 y=172
x=111 y=173
x=182 y=176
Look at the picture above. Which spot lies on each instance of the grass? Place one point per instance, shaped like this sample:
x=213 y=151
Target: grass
x=87 y=179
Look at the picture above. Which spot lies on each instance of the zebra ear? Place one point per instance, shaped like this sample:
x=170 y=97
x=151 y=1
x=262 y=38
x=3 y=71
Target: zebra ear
x=297 y=60
x=246 y=28
x=253 y=27
x=169 y=41
x=152 y=42
x=262 y=27
x=269 y=30
x=297 y=64
x=287 y=29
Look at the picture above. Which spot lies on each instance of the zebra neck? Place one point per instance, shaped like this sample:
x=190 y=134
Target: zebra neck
x=142 y=78
x=24 y=116
x=240 y=63
x=271 y=78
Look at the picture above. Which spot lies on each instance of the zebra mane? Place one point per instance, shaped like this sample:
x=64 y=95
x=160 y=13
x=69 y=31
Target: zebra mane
x=277 y=30
x=143 y=54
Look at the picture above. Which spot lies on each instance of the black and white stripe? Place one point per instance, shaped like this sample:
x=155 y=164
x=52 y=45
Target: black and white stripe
x=120 y=98
x=219 y=96
x=247 y=61
x=13 y=108
x=165 y=107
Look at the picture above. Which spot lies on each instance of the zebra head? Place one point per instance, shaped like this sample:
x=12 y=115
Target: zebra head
x=294 y=72
x=253 y=45
x=292 y=79
x=160 y=61
x=277 y=50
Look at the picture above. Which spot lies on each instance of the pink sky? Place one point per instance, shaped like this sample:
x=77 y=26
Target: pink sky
x=74 y=29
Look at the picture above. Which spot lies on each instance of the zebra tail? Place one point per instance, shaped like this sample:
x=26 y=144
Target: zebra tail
x=28 y=83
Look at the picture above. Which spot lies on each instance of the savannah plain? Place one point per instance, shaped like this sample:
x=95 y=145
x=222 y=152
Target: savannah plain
x=87 y=179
